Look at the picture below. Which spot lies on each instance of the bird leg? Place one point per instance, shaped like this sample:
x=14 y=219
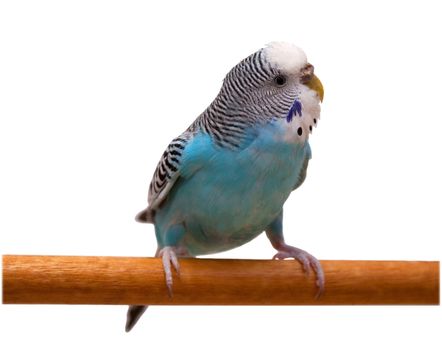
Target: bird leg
x=169 y=257
x=307 y=260
x=285 y=251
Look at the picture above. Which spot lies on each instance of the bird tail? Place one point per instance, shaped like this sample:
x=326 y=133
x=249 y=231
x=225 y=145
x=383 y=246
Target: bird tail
x=136 y=311
x=133 y=315
x=146 y=216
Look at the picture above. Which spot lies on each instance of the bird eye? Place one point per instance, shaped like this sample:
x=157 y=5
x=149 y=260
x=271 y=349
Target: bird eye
x=280 y=80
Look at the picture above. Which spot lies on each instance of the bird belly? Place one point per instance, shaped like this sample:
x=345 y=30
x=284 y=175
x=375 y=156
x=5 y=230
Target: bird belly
x=234 y=196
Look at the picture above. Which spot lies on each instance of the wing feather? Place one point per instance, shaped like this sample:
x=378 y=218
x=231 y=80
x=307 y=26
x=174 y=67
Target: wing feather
x=302 y=174
x=167 y=171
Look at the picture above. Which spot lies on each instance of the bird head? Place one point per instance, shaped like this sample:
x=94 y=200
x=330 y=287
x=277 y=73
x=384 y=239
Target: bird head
x=276 y=81
x=291 y=68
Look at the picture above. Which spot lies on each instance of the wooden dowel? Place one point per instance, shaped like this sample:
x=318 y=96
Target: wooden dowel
x=120 y=280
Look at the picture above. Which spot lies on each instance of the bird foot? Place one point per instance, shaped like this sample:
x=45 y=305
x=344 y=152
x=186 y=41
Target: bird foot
x=308 y=262
x=169 y=257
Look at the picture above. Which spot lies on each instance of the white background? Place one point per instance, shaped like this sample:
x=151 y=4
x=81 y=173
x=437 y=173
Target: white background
x=93 y=91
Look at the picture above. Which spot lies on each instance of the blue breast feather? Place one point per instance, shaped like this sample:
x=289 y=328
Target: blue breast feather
x=226 y=198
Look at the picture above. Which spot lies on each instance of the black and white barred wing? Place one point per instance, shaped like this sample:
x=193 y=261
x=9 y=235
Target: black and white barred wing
x=164 y=177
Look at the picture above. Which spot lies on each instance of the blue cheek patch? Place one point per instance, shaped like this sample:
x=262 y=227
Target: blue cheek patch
x=295 y=109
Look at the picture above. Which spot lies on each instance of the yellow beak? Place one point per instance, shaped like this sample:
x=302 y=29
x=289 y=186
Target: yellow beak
x=316 y=85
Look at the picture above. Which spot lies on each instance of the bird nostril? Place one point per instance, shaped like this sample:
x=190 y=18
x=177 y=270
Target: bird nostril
x=307 y=73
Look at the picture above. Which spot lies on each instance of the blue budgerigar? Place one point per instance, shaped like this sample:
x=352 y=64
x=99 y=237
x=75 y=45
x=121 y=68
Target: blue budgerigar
x=225 y=179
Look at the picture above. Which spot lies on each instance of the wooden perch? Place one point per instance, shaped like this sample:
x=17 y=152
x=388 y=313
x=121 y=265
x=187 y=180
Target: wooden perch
x=119 y=280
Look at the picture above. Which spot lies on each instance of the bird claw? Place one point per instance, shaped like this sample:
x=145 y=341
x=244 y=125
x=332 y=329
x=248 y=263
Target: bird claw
x=169 y=257
x=308 y=263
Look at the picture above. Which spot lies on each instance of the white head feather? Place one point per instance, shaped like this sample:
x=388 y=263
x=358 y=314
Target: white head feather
x=291 y=59
x=285 y=56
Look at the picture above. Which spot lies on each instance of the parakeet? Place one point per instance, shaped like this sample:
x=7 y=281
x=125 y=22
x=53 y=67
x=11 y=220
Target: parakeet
x=225 y=179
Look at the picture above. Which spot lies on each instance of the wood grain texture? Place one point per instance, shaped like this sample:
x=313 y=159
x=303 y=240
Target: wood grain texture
x=121 y=280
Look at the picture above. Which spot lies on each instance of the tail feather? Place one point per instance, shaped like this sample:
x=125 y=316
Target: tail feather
x=145 y=216
x=136 y=311
x=133 y=315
